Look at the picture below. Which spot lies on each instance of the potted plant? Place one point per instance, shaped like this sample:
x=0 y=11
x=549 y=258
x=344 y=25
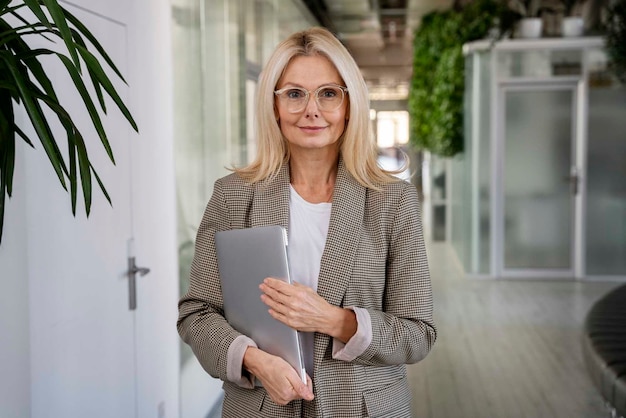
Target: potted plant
x=524 y=18
x=572 y=23
x=615 y=36
x=23 y=82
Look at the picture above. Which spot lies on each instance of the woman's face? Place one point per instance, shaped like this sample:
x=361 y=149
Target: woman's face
x=311 y=128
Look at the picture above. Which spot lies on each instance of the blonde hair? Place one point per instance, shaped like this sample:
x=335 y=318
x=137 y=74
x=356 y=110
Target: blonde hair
x=357 y=146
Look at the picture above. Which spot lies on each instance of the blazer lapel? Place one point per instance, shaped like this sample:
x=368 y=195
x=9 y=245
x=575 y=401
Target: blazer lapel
x=270 y=204
x=346 y=220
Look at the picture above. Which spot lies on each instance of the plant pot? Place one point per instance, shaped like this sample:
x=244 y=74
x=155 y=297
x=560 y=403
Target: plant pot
x=572 y=26
x=530 y=28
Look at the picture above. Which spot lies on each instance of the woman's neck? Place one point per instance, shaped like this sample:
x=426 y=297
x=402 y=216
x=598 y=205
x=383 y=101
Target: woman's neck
x=314 y=179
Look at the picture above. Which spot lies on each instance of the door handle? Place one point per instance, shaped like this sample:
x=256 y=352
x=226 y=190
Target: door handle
x=573 y=180
x=132 y=281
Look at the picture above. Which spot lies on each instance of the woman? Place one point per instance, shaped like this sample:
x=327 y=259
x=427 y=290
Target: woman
x=363 y=296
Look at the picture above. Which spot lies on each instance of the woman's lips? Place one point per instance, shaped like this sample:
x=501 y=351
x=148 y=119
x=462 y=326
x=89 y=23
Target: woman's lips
x=312 y=129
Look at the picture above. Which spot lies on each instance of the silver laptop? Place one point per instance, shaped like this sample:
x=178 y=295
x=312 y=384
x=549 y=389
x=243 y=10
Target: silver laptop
x=245 y=257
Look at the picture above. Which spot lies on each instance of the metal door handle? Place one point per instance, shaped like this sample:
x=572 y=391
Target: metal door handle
x=573 y=180
x=132 y=285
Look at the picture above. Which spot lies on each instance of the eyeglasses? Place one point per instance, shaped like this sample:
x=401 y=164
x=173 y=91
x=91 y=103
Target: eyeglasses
x=328 y=97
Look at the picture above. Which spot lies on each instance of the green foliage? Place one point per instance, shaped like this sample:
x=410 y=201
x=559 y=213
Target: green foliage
x=24 y=82
x=615 y=36
x=437 y=84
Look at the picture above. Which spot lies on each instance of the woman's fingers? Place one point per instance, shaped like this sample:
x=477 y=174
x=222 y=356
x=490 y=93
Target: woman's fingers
x=280 y=290
x=298 y=306
x=282 y=382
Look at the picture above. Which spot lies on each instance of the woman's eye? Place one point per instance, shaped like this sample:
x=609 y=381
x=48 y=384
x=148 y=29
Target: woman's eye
x=328 y=93
x=295 y=94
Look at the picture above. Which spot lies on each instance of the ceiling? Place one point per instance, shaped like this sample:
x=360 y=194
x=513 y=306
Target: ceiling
x=379 y=35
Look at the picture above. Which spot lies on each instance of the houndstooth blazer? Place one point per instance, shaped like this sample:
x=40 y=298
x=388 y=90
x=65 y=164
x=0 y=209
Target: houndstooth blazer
x=374 y=258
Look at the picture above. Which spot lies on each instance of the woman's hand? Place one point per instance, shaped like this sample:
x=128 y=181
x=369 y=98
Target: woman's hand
x=301 y=308
x=279 y=379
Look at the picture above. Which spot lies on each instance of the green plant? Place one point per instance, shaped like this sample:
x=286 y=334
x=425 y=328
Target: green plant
x=437 y=84
x=615 y=35
x=525 y=8
x=23 y=82
x=571 y=7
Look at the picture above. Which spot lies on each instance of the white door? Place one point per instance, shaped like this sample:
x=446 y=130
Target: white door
x=91 y=355
x=539 y=180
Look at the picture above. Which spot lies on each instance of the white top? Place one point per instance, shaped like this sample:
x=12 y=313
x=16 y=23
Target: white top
x=308 y=228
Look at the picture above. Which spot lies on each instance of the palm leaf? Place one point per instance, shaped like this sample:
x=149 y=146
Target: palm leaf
x=92 y=62
x=76 y=144
x=58 y=16
x=21 y=133
x=84 y=166
x=36 y=116
x=18 y=35
x=18 y=30
x=71 y=150
x=92 y=39
x=29 y=58
x=2 y=200
x=7 y=152
x=93 y=112
x=104 y=190
x=75 y=139
x=3 y=5
x=94 y=80
x=7 y=149
x=35 y=7
x=73 y=134
x=7 y=142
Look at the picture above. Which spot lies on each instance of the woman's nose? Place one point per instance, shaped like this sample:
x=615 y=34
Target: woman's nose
x=311 y=106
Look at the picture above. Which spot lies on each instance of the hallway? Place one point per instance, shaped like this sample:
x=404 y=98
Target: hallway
x=505 y=348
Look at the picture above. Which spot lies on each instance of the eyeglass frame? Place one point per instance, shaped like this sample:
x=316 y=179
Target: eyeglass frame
x=315 y=92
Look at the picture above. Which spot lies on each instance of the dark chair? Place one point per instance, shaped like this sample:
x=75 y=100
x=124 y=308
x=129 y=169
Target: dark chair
x=604 y=347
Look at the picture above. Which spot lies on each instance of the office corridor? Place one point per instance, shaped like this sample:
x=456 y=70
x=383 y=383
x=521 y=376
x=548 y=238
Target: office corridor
x=506 y=348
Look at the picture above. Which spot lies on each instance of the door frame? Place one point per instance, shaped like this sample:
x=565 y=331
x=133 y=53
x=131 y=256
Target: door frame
x=579 y=158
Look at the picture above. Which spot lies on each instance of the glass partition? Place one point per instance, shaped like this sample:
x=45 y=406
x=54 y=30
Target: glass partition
x=606 y=167
x=219 y=48
x=470 y=194
x=460 y=172
x=481 y=195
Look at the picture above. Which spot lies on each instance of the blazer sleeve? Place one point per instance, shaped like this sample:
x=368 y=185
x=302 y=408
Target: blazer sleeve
x=403 y=332
x=201 y=322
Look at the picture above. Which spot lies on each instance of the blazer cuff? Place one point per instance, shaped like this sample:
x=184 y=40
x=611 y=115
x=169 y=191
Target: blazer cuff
x=359 y=341
x=234 y=362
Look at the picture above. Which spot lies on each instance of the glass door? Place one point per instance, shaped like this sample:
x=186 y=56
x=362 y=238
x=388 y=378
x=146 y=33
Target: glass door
x=539 y=180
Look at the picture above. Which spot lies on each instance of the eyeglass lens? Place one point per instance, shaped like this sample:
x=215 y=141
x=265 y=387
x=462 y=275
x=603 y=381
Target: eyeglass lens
x=328 y=98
